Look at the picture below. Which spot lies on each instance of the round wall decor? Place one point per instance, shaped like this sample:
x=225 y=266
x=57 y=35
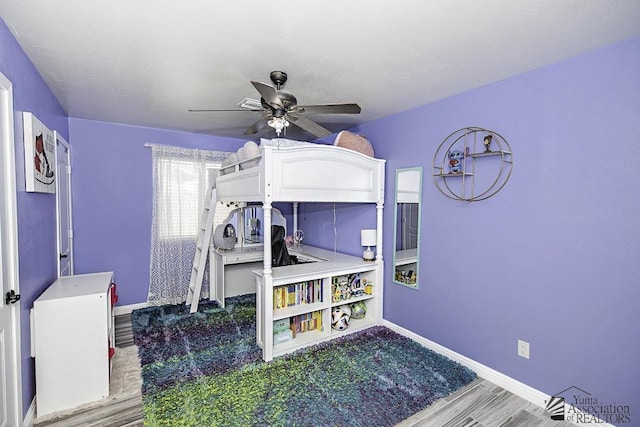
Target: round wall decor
x=472 y=164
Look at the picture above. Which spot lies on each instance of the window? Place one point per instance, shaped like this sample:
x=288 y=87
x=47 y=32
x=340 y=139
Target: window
x=181 y=180
x=183 y=190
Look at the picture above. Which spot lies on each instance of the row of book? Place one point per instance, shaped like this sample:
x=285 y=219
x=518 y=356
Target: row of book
x=297 y=293
x=288 y=328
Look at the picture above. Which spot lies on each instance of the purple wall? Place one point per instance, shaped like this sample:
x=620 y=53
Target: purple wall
x=36 y=211
x=552 y=259
x=112 y=198
x=316 y=220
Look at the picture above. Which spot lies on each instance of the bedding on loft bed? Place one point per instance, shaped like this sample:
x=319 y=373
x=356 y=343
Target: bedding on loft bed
x=250 y=153
x=296 y=171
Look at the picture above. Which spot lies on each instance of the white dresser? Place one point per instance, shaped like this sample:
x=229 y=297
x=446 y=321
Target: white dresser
x=73 y=341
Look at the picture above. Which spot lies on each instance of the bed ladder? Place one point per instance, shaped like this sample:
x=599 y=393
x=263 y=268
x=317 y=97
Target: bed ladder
x=205 y=233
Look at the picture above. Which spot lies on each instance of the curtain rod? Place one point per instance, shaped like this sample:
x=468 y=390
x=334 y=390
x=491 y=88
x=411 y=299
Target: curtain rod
x=217 y=155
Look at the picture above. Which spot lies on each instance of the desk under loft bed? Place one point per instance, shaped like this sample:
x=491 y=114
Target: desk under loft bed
x=300 y=174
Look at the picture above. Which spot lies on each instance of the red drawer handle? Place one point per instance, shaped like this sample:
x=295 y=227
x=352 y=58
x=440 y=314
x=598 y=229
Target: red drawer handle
x=114 y=296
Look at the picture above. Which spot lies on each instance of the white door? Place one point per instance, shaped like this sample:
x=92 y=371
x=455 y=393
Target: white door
x=10 y=386
x=63 y=204
x=410 y=219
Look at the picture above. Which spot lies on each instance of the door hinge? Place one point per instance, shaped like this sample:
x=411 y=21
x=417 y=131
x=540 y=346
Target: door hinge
x=11 y=297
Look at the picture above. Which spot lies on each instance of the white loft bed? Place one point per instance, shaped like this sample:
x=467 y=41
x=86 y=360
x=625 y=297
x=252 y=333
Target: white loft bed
x=306 y=173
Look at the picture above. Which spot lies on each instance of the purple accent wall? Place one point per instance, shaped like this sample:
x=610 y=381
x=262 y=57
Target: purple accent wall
x=112 y=198
x=552 y=259
x=36 y=211
x=324 y=229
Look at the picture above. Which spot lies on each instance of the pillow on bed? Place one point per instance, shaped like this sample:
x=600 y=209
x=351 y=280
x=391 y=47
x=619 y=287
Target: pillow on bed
x=249 y=150
x=359 y=143
x=231 y=159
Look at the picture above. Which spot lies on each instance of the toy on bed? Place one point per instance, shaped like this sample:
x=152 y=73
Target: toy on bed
x=359 y=143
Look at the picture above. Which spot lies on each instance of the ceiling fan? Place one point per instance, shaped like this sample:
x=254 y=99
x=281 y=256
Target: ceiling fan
x=280 y=109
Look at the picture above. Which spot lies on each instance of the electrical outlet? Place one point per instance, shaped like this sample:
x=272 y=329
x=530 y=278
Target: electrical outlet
x=523 y=349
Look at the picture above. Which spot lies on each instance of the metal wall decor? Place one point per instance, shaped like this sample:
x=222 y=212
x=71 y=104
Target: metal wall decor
x=472 y=164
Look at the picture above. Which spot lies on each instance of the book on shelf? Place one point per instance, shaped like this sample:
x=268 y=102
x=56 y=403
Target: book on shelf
x=294 y=294
x=282 y=336
x=281 y=325
x=306 y=322
x=288 y=328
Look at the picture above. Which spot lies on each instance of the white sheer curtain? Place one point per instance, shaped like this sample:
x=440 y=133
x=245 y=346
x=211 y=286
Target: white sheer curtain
x=181 y=177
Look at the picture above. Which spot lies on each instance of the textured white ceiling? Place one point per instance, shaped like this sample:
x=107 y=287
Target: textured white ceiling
x=147 y=62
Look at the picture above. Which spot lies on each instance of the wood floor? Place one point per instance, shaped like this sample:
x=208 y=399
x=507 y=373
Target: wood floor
x=480 y=404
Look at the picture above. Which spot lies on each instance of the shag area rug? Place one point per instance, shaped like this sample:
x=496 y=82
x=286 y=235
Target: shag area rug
x=205 y=369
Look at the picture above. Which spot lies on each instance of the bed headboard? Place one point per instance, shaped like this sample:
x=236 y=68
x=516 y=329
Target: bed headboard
x=323 y=173
x=309 y=173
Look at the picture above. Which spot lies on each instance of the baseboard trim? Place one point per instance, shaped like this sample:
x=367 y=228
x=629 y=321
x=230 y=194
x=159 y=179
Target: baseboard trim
x=30 y=416
x=506 y=382
x=127 y=309
x=514 y=386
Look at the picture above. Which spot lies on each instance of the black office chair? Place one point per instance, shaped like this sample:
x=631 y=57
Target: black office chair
x=279 y=253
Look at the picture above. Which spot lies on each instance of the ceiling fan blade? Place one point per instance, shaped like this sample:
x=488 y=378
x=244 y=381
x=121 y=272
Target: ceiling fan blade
x=206 y=111
x=329 y=109
x=255 y=128
x=309 y=126
x=269 y=94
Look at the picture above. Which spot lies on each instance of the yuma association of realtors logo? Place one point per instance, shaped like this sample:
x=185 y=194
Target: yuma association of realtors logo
x=582 y=407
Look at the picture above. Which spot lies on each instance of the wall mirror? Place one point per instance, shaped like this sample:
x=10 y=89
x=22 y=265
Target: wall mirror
x=406 y=251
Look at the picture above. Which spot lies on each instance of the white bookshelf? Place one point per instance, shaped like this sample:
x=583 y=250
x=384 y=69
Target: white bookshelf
x=335 y=265
x=73 y=342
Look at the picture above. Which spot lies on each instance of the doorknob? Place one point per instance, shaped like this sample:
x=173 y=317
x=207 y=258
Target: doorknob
x=62 y=256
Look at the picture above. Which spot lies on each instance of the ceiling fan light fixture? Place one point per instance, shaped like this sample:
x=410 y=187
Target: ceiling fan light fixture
x=250 y=104
x=278 y=123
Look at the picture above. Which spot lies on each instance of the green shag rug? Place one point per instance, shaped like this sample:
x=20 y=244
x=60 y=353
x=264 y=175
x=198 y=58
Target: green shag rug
x=205 y=369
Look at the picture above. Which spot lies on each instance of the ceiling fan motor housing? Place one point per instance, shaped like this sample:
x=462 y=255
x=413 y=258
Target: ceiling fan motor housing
x=287 y=98
x=279 y=78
